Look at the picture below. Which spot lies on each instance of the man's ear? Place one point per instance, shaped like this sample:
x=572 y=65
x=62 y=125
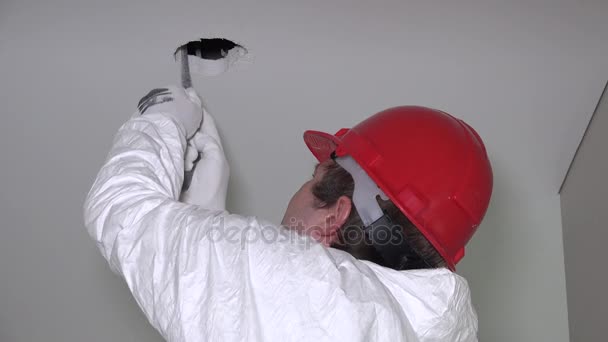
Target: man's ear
x=337 y=216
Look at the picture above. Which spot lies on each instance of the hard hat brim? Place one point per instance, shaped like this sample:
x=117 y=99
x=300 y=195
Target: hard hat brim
x=321 y=144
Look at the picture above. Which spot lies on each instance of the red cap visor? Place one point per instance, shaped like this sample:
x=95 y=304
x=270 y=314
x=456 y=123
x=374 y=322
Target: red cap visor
x=321 y=144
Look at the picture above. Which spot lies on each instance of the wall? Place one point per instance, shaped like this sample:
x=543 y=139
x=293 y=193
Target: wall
x=584 y=218
x=72 y=71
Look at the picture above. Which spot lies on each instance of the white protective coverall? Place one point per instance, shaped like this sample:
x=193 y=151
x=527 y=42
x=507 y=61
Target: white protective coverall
x=203 y=274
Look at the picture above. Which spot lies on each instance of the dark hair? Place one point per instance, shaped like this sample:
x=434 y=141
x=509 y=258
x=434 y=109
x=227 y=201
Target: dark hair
x=337 y=182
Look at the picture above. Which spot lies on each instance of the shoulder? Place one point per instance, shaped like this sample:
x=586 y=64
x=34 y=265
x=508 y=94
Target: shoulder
x=437 y=302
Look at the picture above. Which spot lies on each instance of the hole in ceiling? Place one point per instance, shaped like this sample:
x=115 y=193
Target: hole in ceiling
x=212 y=48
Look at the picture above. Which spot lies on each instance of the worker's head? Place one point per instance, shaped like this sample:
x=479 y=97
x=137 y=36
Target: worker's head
x=323 y=208
x=315 y=215
x=417 y=174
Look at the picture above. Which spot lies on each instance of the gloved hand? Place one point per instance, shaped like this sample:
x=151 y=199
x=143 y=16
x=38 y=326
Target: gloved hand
x=211 y=173
x=183 y=105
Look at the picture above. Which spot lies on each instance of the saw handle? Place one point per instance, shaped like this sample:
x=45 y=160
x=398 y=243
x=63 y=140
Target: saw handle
x=185 y=70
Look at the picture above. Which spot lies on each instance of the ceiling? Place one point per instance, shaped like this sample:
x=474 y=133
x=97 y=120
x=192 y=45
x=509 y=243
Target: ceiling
x=526 y=74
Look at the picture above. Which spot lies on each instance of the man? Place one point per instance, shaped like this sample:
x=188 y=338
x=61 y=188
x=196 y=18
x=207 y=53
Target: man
x=391 y=204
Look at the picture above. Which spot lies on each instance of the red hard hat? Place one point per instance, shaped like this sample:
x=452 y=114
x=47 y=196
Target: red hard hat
x=432 y=166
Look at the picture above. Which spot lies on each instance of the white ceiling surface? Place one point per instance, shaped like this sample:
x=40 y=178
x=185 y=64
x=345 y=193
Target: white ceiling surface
x=526 y=74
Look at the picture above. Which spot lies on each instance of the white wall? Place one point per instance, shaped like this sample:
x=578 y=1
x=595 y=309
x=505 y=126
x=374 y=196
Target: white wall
x=525 y=74
x=584 y=213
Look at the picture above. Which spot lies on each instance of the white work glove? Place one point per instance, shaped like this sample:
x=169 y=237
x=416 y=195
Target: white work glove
x=211 y=172
x=183 y=105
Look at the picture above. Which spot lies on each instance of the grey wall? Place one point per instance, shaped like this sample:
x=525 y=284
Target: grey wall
x=71 y=71
x=585 y=222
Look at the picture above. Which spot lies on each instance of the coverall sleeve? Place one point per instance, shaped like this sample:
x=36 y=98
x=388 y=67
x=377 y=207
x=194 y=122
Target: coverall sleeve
x=145 y=234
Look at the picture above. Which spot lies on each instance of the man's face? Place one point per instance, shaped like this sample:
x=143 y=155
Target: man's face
x=306 y=215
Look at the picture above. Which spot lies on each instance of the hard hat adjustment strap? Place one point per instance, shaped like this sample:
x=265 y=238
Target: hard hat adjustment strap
x=387 y=238
x=365 y=192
